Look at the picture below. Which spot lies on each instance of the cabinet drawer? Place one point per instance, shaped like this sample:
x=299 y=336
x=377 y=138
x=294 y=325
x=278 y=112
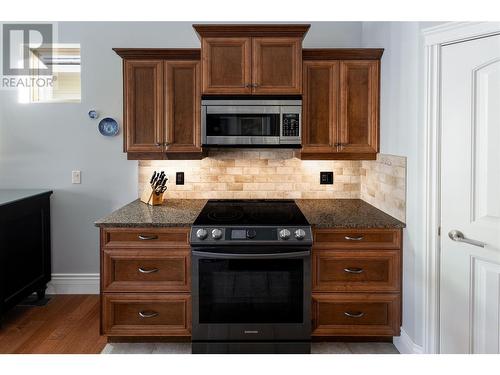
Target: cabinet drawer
x=146 y=315
x=145 y=237
x=357 y=314
x=356 y=270
x=143 y=270
x=357 y=238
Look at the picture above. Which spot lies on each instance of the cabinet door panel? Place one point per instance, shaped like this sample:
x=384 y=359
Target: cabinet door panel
x=359 y=103
x=277 y=65
x=320 y=102
x=143 y=91
x=182 y=99
x=356 y=314
x=226 y=65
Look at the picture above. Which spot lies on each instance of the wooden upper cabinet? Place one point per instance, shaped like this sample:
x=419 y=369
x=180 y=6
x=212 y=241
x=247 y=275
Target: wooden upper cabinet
x=143 y=103
x=320 y=113
x=182 y=107
x=162 y=106
x=251 y=59
x=359 y=106
x=226 y=65
x=277 y=65
x=340 y=108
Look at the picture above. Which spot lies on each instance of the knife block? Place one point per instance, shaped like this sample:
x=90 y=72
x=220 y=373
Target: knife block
x=151 y=198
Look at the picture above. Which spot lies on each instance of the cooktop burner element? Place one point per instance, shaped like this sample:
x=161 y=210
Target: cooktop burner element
x=251 y=221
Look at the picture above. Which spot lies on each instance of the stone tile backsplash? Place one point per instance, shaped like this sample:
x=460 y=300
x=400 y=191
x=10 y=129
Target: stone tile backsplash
x=257 y=174
x=383 y=184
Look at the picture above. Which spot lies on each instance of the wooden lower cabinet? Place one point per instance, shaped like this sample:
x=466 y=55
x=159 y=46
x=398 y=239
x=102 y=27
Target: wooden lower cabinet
x=145 y=282
x=144 y=314
x=356 y=314
x=356 y=282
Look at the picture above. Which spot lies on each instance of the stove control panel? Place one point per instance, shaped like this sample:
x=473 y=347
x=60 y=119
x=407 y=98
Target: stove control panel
x=250 y=235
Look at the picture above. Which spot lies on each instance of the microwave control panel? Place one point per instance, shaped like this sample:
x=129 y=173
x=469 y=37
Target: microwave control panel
x=291 y=125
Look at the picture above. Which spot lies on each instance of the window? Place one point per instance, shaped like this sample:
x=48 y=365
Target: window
x=66 y=82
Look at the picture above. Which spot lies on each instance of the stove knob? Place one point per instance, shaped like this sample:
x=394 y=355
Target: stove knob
x=284 y=234
x=300 y=234
x=251 y=233
x=201 y=234
x=216 y=234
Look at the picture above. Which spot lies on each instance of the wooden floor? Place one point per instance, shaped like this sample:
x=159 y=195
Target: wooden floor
x=68 y=324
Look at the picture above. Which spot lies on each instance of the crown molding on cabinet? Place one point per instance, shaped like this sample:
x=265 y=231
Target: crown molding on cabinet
x=159 y=53
x=342 y=53
x=256 y=30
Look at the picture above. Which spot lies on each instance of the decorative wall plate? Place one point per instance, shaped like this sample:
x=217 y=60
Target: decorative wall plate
x=108 y=127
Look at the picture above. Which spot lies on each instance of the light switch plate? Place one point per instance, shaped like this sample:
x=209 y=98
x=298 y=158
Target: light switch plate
x=76 y=177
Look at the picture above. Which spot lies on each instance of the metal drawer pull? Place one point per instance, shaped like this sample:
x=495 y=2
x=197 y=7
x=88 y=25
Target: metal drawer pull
x=354 y=314
x=148 y=314
x=458 y=236
x=349 y=238
x=147 y=238
x=152 y=270
x=353 y=270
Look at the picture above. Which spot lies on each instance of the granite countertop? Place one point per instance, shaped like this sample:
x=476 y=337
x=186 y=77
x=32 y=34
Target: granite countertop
x=173 y=213
x=8 y=196
x=321 y=213
x=345 y=213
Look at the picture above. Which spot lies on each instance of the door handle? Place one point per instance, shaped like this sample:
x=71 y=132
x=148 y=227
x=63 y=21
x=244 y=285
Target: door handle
x=144 y=237
x=354 y=314
x=458 y=236
x=353 y=270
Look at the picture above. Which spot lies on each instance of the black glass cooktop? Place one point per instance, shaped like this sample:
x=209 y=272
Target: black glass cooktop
x=251 y=212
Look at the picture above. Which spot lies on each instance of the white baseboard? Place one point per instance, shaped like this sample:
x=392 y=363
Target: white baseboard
x=74 y=283
x=405 y=344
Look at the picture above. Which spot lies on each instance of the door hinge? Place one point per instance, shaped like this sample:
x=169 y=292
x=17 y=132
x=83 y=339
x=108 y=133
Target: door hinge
x=439 y=231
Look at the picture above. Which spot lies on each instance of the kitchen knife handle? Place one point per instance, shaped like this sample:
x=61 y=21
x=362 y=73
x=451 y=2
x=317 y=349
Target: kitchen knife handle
x=145 y=237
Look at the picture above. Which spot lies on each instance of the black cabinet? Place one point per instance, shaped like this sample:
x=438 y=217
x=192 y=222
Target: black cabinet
x=25 y=262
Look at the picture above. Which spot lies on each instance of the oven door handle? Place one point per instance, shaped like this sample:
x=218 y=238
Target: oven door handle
x=298 y=254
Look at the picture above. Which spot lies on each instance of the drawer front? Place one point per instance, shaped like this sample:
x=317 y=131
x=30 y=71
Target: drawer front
x=143 y=270
x=145 y=237
x=357 y=238
x=143 y=315
x=356 y=270
x=356 y=314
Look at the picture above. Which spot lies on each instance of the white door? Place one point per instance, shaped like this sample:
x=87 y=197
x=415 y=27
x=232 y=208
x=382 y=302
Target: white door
x=470 y=197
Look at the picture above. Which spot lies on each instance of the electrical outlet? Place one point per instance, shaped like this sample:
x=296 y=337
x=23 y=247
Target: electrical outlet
x=179 y=178
x=76 y=177
x=326 y=178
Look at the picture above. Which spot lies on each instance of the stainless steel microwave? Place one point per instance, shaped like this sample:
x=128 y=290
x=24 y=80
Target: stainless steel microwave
x=251 y=122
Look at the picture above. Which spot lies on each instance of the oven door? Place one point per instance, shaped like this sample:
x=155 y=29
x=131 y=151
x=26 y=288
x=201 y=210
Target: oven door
x=256 y=297
x=241 y=125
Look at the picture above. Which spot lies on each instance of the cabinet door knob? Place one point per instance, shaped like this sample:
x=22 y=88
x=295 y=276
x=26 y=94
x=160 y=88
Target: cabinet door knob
x=148 y=314
x=355 y=238
x=158 y=144
x=354 y=314
x=145 y=237
x=353 y=270
x=144 y=270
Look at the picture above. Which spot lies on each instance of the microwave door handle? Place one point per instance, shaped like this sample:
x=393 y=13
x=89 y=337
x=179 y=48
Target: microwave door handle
x=298 y=254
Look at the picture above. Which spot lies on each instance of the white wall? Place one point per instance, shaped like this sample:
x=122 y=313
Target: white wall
x=41 y=143
x=401 y=128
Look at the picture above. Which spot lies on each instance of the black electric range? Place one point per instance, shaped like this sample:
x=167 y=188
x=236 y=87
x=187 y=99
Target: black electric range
x=244 y=222
x=251 y=274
